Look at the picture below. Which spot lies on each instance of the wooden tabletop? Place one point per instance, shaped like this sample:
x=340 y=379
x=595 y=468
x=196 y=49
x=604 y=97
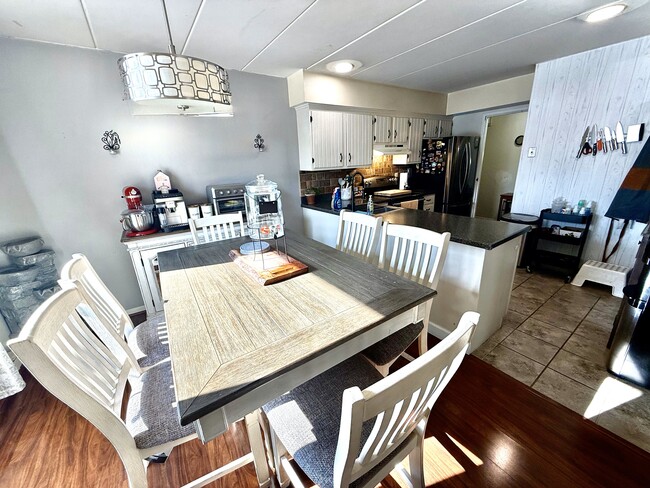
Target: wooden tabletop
x=228 y=334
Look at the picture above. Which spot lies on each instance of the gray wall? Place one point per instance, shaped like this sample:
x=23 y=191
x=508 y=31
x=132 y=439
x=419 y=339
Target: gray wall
x=500 y=162
x=58 y=182
x=600 y=87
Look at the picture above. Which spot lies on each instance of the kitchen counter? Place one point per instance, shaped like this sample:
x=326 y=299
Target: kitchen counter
x=477 y=231
x=479 y=269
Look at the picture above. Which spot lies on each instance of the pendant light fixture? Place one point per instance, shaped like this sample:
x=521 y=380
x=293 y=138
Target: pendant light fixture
x=166 y=83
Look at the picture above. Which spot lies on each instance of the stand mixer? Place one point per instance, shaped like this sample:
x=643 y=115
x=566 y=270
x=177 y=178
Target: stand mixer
x=137 y=220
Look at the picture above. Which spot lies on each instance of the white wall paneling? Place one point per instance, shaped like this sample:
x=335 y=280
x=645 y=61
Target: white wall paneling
x=599 y=87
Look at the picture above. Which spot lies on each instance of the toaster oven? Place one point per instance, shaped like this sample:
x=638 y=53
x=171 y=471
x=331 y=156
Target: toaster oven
x=227 y=198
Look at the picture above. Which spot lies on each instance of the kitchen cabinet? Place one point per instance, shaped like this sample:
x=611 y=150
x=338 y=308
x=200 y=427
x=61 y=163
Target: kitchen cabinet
x=332 y=140
x=416 y=133
x=390 y=129
x=434 y=128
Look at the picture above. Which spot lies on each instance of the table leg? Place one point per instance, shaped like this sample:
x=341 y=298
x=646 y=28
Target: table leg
x=257 y=448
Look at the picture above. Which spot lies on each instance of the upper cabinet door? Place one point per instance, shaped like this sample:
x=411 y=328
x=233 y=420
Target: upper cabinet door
x=383 y=129
x=327 y=139
x=416 y=133
x=445 y=128
x=400 y=129
x=358 y=130
x=431 y=127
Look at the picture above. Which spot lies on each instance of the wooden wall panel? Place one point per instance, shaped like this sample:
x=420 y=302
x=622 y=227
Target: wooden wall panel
x=599 y=87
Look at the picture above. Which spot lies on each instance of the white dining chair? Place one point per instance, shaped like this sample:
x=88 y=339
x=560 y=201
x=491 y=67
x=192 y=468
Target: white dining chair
x=74 y=365
x=217 y=227
x=145 y=344
x=350 y=426
x=418 y=255
x=358 y=235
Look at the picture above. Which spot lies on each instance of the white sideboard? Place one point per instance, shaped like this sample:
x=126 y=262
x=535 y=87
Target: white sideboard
x=144 y=256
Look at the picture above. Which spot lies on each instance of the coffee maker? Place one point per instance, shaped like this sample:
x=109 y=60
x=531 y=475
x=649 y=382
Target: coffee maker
x=169 y=204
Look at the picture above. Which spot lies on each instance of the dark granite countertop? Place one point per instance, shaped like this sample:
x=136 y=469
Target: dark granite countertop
x=476 y=232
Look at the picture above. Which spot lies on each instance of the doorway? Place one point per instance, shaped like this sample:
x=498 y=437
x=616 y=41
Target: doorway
x=501 y=153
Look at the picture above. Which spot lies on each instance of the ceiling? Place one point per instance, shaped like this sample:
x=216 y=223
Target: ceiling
x=434 y=45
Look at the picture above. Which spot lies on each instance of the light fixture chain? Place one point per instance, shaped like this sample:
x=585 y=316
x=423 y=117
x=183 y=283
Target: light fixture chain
x=172 y=48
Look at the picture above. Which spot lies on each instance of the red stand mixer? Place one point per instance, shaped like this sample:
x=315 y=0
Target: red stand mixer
x=136 y=219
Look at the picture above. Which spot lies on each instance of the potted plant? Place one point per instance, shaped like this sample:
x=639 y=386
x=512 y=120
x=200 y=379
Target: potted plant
x=310 y=196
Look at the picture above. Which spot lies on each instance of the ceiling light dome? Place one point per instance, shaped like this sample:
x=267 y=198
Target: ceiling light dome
x=606 y=12
x=344 y=66
x=167 y=83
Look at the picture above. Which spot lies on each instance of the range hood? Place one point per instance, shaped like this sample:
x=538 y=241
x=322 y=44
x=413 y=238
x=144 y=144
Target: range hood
x=400 y=152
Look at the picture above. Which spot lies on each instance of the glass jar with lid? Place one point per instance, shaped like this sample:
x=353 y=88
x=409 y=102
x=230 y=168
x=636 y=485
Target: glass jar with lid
x=264 y=209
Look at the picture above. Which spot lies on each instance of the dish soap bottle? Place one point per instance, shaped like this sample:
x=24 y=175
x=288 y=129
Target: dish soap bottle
x=336 y=199
x=371 y=205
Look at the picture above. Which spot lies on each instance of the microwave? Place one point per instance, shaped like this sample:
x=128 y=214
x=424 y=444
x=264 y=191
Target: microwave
x=227 y=198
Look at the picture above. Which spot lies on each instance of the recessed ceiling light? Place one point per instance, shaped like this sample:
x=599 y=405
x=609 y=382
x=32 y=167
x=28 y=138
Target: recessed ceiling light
x=606 y=12
x=344 y=66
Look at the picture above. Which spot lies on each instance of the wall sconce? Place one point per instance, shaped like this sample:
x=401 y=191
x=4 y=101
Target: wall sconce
x=111 y=141
x=259 y=143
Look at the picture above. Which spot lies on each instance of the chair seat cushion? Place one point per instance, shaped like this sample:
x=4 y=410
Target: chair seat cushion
x=307 y=419
x=149 y=341
x=151 y=415
x=388 y=349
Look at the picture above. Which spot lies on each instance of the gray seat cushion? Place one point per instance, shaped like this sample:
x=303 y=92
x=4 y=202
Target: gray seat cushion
x=151 y=415
x=149 y=341
x=388 y=349
x=307 y=419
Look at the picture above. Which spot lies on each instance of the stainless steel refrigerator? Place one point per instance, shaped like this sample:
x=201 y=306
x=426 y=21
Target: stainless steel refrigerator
x=448 y=170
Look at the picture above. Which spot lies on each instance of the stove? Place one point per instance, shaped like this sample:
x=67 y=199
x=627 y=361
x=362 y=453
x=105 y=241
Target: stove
x=392 y=193
x=385 y=191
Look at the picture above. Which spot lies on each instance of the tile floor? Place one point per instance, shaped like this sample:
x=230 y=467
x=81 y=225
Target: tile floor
x=554 y=338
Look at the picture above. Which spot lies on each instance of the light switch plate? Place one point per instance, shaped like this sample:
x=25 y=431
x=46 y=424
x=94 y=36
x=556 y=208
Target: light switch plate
x=532 y=151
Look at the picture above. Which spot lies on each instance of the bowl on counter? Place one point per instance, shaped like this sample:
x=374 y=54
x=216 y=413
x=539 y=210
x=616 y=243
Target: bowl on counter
x=23 y=247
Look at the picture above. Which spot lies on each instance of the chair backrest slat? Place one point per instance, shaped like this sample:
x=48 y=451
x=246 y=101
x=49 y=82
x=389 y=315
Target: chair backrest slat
x=409 y=252
x=217 y=227
x=358 y=235
x=399 y=404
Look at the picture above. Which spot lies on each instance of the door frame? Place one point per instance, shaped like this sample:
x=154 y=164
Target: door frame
x=481 y=150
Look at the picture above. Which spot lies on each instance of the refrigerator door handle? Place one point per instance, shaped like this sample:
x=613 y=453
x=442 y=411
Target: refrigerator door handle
x=465 y=168
x=468 y=159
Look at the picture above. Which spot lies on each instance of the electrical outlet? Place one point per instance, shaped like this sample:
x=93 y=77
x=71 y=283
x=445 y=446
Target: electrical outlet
x=532 y=151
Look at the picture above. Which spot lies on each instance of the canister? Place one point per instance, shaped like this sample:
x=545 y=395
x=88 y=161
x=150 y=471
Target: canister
x=206 y=209
x=194 y=212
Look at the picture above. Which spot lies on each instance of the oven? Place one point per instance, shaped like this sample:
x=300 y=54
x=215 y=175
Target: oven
x=227 y=198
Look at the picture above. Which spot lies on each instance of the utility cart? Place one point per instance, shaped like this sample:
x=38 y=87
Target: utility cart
x=568 y=234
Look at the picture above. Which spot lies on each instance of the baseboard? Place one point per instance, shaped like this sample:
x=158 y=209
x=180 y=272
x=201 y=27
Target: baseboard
x=133 y=311
x=437 y=331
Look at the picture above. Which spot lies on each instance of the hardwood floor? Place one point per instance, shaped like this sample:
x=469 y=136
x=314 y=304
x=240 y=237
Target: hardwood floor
x=487 y=429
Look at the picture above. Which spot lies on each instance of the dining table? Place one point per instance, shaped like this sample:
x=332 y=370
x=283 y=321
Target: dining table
x=236 y=344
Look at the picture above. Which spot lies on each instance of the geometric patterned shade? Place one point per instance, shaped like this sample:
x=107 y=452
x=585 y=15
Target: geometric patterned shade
x=164 y=83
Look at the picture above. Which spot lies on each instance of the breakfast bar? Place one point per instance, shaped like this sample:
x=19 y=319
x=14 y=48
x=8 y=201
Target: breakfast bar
x=478 y=273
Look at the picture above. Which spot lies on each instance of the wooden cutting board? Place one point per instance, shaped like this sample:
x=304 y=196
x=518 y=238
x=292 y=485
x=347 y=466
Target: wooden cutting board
x=276 y=267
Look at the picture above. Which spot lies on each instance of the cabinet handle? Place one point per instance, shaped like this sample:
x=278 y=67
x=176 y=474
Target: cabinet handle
x=349 y=157
x=340 y=157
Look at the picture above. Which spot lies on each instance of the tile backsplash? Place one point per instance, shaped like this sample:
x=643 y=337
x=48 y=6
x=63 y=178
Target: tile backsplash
x=325 y=181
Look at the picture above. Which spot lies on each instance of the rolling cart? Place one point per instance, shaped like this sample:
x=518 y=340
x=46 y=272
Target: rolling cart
x=571 y=231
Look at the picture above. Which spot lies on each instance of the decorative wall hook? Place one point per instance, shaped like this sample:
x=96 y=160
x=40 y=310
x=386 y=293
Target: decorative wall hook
x=259 y=143
x=111 y=141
